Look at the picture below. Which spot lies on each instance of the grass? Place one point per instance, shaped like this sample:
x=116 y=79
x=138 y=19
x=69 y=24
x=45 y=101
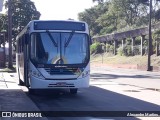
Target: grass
x=116 y=59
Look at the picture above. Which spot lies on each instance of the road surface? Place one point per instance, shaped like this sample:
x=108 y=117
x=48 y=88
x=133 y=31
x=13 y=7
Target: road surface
x=110 y=89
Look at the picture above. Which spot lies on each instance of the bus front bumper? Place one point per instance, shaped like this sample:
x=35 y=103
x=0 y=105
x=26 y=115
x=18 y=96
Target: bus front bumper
x=37 y=83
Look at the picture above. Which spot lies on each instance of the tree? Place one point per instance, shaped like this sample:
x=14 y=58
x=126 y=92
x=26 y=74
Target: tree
x=3 y=18
x=119 y=15
x=3 y=27
x=130 y=10
x=108 y=20
x=23 y=11
x=99 y=1
x=91 y=15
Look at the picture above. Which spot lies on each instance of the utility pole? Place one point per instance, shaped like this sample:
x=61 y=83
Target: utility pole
x=10 y=65
x=149 y=68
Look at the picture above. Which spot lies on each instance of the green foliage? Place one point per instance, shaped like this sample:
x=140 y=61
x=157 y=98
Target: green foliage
x=120 y=51
x=117 y=15
x=107 y=30
x=3 y=19
x=103 y=47
x=138 y=40
x=156 y=34
x=156 y=37
x=157 y=15
x=136 y=50
x=99 y=1
x=109 y=48
x=90 y=16
x=23 y=11
x=96 y=48
x=126 y=51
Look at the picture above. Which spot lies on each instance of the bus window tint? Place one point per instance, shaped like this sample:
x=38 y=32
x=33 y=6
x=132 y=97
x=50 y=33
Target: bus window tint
x=44 y=51
x=76 y=51
x=50 y=49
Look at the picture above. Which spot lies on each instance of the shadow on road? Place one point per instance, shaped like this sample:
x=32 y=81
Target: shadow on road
x=15 y=100
x=91 y=99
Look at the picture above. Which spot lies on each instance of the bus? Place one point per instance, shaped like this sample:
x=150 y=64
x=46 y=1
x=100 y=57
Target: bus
x=53 y=54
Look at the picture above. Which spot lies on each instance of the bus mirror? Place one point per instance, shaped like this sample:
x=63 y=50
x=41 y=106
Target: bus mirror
x=26 y=38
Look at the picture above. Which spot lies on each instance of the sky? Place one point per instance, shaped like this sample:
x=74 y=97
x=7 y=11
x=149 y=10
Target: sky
x=61 y=9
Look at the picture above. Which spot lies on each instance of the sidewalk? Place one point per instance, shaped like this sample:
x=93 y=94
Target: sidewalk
x=12 y=98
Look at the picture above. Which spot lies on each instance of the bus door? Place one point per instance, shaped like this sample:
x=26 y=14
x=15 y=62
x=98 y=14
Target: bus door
x=26 y=59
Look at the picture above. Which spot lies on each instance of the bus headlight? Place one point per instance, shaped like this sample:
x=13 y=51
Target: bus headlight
x=85 y=73
x=36 y=73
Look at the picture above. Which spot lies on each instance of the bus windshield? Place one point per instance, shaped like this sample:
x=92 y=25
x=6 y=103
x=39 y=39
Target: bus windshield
x=51 y=48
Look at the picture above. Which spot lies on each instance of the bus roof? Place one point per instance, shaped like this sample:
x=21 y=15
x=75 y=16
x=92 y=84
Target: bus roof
x=59 y=25
x=65 y=25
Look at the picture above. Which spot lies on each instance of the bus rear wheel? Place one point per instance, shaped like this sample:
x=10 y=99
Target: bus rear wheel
x=73 y=91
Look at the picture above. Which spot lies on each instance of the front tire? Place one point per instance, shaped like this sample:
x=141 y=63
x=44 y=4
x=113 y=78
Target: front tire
x=73 y=91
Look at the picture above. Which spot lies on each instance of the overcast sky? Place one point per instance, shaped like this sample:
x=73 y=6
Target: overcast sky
x=61 y=9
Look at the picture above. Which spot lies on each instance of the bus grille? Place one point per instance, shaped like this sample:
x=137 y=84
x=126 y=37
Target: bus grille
x=62 y=71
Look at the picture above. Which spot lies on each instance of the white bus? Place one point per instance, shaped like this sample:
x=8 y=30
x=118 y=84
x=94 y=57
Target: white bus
x=54 y=54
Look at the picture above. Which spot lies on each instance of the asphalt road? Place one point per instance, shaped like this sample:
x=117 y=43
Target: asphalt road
x=110 y=89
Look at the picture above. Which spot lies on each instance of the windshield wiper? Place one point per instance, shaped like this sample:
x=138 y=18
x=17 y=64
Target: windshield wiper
x=69 y=39
x=51 y=37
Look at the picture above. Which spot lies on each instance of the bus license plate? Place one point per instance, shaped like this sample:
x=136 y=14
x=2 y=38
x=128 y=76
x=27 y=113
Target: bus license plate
x=61 y=84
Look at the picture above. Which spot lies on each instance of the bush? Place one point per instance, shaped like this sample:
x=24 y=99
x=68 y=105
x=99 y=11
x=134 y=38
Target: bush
x=136 y=50
x=96 y=48
x=120 y=51
x=109 y=48
x=103 y=47
x=145 y=49
x=126 y=51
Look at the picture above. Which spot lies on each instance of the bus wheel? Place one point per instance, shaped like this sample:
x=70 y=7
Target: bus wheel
x=73 y=91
